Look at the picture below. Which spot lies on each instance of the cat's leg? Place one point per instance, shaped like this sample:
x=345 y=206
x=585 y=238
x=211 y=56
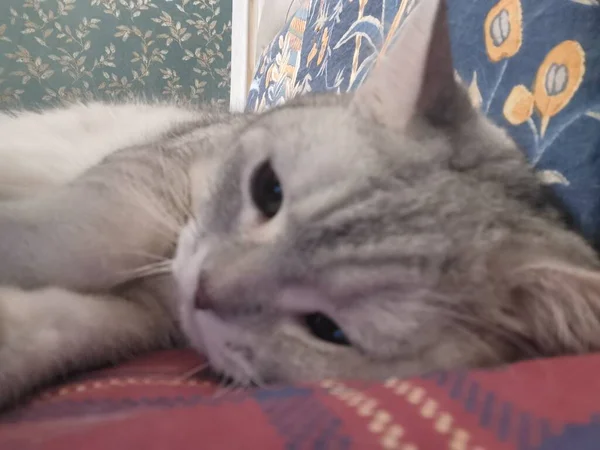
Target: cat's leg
x=100 y=230
x=50 y=332
x=39 y=150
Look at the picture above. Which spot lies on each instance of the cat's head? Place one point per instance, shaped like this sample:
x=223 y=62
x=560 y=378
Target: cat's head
x=387 y=232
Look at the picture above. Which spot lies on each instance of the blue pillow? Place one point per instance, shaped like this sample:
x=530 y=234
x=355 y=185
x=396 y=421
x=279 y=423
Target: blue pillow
x=532 y=66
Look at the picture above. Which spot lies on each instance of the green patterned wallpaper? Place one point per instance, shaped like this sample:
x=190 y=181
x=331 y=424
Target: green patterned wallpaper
x=53 y=50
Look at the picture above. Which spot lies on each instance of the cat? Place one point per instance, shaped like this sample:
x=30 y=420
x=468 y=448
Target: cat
x=388 y=232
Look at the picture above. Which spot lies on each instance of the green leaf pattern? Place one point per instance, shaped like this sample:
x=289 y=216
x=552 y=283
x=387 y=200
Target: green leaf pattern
x=53 y=51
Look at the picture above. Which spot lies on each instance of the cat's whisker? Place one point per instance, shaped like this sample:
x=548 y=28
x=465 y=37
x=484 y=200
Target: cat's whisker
x=258 y=381
x=154 y=257
x=144 y=275
x=150 y=270
x=196 y=371
x=253 y=378
x=158 y=213
x=250 y=375
x=168 y=230
x=240 y=389
x=154 y=265
x=243 y=380
x=225 y=387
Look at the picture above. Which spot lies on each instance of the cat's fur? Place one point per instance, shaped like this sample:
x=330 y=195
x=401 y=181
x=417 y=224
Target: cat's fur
x=408 y=218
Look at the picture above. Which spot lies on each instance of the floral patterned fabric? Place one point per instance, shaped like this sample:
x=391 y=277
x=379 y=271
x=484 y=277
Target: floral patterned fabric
x=532 y=66
x=54 y=50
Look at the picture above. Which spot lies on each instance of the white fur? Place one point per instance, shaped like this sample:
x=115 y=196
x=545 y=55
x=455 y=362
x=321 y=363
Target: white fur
x=49 y=331
x=46 y=148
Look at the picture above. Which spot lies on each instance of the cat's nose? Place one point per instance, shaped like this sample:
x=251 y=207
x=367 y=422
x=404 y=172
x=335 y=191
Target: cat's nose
x=203 y=301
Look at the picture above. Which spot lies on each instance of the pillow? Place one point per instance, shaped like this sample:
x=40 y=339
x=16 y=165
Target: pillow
x=532 y=67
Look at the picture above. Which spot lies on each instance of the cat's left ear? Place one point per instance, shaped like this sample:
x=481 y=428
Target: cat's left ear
x=416 y=76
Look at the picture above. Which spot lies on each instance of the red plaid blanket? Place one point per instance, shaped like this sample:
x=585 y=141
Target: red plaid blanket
x=150 y=403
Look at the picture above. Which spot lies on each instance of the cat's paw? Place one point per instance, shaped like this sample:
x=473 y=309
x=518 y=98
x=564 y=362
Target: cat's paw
x=33 y=348
x=16 y=375
x=51 y=332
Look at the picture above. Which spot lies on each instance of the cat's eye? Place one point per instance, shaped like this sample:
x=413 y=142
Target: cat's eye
x=266 y=191
x=325 y=329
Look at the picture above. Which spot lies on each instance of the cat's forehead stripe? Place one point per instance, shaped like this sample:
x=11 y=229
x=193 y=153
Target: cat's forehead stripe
x=319 y=204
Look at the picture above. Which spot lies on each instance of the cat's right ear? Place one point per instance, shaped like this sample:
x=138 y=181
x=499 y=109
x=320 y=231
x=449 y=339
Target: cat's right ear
x=416 y=76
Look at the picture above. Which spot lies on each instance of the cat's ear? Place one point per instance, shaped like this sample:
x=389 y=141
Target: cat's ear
x=555 y=306
x=416 y=75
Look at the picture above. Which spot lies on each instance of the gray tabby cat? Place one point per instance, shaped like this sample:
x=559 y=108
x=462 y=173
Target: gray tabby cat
x=389 y=232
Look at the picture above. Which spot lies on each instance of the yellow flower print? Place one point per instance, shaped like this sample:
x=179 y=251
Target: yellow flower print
x=503 y=30
x=518 y=107
x=324 y=44
x=311 y=54
x=362 y=4
x=558 y=79
x=394 y=27
x=320 y=49
x=556 y=82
